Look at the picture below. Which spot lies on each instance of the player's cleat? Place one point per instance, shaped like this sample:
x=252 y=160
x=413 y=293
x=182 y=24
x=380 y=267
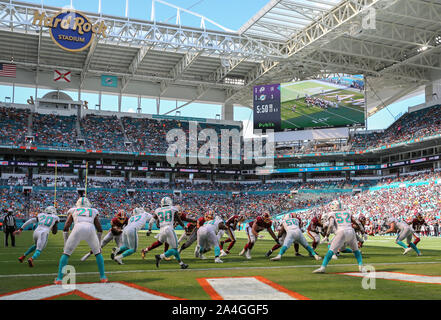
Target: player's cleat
x=218 y=260
x=334 y=257
x=58 y=282
x=276 y=258
x=317 y=257
x=21 y=259
x=143 y=253
x=184 y=266
x=320 y=270
x=113 y=254
x=202 y=257
x=242 y=252
x=299 y=254
x=223 y=254
x=158 y=260
x=104 y=280
x=248 y=254
x=86 y=256
x=419 y=254
x=196 y=252
x=268 y=253
x=361 y=268
x=406 y=251
x=31 y=262
x=118 y=259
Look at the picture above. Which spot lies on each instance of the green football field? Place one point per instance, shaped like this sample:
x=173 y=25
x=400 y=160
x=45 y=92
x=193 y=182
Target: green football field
x=292 y=273
x=304 y=116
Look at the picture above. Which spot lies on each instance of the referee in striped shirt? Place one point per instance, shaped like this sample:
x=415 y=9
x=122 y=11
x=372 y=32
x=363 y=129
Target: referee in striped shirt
x=9 y=226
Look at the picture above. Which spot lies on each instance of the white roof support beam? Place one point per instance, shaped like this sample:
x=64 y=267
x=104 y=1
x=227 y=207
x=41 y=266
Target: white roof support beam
x=134 y=65
x=187 y=60
x=223 y=71
x=87 y=61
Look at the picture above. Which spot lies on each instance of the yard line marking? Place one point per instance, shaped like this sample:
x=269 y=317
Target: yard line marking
x=215 y=269
x=399 y=276
x=117 y=290
x=246 y=288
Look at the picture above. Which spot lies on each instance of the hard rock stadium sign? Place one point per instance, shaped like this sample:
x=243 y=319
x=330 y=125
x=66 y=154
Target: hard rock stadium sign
x=70 y=30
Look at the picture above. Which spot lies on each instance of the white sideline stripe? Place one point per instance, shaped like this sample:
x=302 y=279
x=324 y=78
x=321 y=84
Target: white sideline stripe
x=246 y=289
x=214 y=269
x=400 y=277
x=102 y=291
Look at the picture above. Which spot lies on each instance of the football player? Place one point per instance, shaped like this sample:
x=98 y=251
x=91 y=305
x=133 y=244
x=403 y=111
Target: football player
x=193 y=236
x=208 y=238
x=166 y=215
x=115 y=233
x=46 y=222
x=86 y=227
x=342 y=221
x=360 y=231
x=130 y=235
x=231 y=225
x=253 y=228
x=291 y=225
x=416 y=224
x=404 y=231
x=313 y=230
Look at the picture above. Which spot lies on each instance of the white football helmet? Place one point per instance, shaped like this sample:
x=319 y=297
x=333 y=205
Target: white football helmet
x=335 y=205
x=166 y=201
x=138 y=211
x=83 y=202
x=51 y=210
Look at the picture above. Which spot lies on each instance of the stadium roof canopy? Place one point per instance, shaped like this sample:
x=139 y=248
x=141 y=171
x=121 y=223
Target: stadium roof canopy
x=393 y=42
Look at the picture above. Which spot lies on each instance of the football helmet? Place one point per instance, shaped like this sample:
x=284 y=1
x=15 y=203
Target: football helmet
x=138 y=211
x=121 y=215
x=266 y=217
x=209 y=215
x=50 y=210
x=166 y=201
x=83 y=202
x=335 y=205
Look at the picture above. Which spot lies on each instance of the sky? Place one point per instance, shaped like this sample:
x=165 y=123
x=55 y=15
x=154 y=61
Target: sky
x=238 y=13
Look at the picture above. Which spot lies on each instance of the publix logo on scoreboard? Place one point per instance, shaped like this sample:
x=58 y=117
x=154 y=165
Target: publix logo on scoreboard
x=69 y=29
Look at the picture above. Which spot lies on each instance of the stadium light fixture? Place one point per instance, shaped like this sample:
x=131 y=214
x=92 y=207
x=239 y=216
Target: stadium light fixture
x=423 y=48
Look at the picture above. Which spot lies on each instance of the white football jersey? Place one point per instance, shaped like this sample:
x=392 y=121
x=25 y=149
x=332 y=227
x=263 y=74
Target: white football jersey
x=139 y=221
x=213 y=225
x=166 y=216
x=342 y=220
x=399 y=225
x=83 y=215
x=46 y=221
x=290 y=223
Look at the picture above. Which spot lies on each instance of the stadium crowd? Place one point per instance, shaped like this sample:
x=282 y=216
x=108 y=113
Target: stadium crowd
x=418 y=124
x=149 y=135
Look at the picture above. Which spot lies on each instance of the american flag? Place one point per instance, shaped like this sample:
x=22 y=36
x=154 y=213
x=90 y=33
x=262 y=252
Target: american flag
x=8 y=70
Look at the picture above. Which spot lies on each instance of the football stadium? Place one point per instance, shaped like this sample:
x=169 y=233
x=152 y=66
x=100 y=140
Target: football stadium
x=249 y=150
